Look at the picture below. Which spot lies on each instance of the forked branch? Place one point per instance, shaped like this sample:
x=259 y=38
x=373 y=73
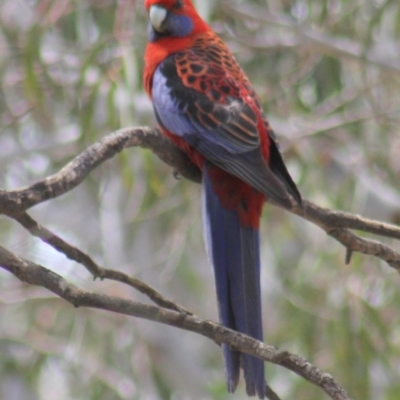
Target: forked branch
x=15 y=204
x=335 y=223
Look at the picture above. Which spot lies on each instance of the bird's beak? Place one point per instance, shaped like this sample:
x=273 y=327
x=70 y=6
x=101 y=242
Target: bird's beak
x=157 y=15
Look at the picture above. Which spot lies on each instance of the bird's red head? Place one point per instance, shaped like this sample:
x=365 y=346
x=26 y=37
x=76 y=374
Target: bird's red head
x=173 y=26
x=174 y=19
x=183 y=5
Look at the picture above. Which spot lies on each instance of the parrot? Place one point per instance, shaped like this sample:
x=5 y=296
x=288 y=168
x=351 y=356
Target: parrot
x=204 y=103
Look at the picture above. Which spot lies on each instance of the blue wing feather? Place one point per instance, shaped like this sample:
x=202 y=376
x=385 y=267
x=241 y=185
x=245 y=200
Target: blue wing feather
x=234 y=252
x=176 y=108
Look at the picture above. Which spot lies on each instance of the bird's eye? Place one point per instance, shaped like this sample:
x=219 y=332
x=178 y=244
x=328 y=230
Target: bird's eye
x=178 y=4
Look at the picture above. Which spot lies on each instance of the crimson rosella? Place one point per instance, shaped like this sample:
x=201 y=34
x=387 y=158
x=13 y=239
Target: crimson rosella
x=205 y=104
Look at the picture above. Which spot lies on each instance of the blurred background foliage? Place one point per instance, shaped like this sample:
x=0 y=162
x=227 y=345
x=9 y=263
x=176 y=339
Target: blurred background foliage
x=328 y=74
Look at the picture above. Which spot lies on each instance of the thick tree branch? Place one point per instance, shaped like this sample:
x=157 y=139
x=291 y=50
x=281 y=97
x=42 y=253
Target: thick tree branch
x=335 y=223
x=17 y=201
x=35 y=274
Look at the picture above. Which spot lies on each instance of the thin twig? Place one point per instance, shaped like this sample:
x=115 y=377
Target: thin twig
x=82 y=258
x=303 y=35
x=338 y=223
x=270 y=394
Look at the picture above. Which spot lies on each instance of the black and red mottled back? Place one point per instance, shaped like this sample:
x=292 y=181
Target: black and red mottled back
x=234 y=110
x=209 y=68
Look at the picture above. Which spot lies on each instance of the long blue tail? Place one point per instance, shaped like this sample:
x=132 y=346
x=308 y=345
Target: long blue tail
x=235 y=254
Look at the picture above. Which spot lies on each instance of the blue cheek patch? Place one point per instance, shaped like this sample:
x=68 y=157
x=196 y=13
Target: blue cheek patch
x=179 y=25
x=175 y=26
x=152 y=34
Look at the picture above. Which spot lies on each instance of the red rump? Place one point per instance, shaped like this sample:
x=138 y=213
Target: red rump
x=233 y=192
x=238 y=195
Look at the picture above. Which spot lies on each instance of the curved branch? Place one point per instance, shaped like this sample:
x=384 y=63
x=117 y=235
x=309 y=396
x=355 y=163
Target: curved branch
x=35 y=274
x=18 y=201
x=335 y=223
x=75 y=254
x=338 y=223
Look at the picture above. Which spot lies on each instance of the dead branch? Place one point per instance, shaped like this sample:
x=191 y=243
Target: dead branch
x=335 y=223
x=35 y=274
